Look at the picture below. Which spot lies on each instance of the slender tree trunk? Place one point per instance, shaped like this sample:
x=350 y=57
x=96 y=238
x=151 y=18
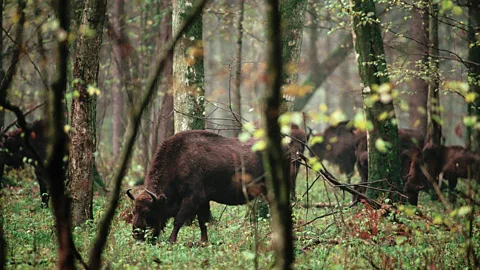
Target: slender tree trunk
x=419 y=60
x=82 y=139
x=434 y=133
x=369 y=47
x=166 y=123
x=120 y=51
x=276 y=166
x=473 y=140
x=292 y=13
x=55 y=167
x=237 y=97
x=3 y=95
x=188 y=71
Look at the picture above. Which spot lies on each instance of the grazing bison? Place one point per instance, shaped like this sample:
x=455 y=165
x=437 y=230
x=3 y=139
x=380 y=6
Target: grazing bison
x=15 y=153
x=338 y=147
x=189 y=170
x=453 y=162
x=299 y=138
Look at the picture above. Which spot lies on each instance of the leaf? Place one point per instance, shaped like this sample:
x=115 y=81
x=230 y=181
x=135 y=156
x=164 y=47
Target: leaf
x=336 y=117
x=469 y=121
x=316 y=139
x=259 y=133
x=400 y=240
x=297 y=118
x=470 y=97
x=248 y=255
x=464 y=210
x=323 y=108
x=382 y=145
x=437 y=219
x=259 y=146
x=457 y=10
x=244 y=136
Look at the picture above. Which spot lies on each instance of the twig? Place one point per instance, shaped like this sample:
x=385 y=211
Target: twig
x=100 y=241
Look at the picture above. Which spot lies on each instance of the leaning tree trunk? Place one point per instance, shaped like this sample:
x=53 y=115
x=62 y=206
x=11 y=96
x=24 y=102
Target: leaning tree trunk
x=418 y=63
x=473 y=140
x=292 y=13
x=188 y=71
x=276 y=167
x=434 y=129
x=82 y=138
x=373 y=73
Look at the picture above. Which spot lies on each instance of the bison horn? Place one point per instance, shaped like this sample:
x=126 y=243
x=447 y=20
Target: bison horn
x=154 y=197
x=130 y=195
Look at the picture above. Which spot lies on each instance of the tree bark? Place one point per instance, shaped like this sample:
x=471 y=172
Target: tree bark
x=55 y=167
x=237 y=97
x=120 y=51
x=473 y=139
x=292 y=14
x=373 y=73
x=166 y=123
x=276 y=166
x=434 y=130
x=188 y=71
x=83 y=118
x=418 y=62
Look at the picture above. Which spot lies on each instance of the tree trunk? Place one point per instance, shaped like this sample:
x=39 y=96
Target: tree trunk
x=292 y=13
x=418 y=62
x=120 y=50
x=166 y=124
x=188 y=71
x=473 y=140
x=82 y=139
x=276 y=166
x=369 y=47
x=237 y=97
x=434 y=130
x=55 y=167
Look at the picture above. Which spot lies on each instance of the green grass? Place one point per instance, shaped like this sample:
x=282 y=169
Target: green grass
x=352 y=239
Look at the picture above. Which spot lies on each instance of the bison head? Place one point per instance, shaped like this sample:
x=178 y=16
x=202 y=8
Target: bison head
x=147 y=213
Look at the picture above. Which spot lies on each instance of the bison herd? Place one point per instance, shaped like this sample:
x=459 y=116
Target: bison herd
x=192 y=168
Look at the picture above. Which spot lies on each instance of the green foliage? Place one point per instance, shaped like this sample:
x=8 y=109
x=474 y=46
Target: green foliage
x=407 y=238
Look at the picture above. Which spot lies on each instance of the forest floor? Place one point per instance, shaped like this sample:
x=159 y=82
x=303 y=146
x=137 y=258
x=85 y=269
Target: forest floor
x=426 y=237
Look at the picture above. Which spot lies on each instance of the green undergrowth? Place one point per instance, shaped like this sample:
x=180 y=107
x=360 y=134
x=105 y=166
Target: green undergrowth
x=426 y=237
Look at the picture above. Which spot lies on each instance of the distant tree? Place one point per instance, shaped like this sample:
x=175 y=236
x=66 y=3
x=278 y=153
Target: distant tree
x=418 y=64
x=434 y=128
x=236 y=103
x=188 y=71
x=121 y=48
x=277 y=169
x=83 y=115
x=292 y=14
x=166 y=126
x=473 y=140
x=383 y=160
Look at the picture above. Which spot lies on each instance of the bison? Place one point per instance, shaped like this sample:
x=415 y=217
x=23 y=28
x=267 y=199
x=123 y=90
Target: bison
x=411 y=143
x=189 y=170
x=338 y=147
x=15 y=153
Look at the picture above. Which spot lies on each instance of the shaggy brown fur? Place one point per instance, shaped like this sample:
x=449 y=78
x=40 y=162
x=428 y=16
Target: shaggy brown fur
x=189 y=170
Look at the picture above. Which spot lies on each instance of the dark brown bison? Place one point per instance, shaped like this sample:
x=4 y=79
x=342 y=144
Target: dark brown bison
x=411 y=143
x=189 y=170
x=15 y=153
x=453 y=162
x=338 y=147
x=299 y=138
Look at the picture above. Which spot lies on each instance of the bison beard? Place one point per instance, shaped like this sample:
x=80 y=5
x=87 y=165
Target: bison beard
x=189 y=170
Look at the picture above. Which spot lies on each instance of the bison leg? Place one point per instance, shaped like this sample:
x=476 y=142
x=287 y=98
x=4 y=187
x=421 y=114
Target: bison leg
x=43 y=187
x=203 y=217
x=188 y=209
